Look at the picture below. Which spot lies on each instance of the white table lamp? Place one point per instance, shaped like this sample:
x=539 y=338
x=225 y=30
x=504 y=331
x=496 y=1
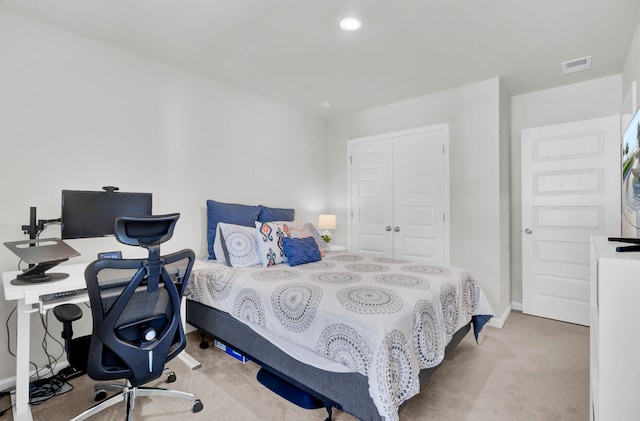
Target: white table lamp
x=327 y=222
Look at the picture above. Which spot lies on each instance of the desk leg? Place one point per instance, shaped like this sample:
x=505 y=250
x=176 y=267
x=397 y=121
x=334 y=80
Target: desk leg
x=21 y=410
x=191 y=362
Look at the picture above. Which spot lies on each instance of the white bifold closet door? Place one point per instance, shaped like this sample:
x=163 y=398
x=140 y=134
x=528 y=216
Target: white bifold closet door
x=399 y=195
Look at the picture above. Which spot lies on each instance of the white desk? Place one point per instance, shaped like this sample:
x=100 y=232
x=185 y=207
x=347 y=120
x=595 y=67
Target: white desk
x=27 y=299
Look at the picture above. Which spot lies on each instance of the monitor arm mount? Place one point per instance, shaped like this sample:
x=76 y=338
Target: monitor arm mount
x=36 y=226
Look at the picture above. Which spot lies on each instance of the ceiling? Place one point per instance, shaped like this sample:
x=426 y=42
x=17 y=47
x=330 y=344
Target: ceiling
x=293 y=51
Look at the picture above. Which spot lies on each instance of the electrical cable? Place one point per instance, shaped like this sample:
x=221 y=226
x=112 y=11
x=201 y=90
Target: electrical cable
x=45 y=324
x=41 y=389
x=8 y=334
x=44 y=389
x=6 y=409
x=53 y=361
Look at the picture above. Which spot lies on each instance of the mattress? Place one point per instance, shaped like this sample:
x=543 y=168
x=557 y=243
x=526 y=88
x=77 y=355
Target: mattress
x=383 y=318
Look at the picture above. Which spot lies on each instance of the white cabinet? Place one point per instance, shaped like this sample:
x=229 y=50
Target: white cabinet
x=614 y=339
x=399 y=200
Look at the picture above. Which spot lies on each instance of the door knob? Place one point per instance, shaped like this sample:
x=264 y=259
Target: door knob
x=527 y=231
x=397 y=229
x=388 y=228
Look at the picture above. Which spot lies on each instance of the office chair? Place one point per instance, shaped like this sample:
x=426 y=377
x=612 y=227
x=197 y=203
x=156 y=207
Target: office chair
x=135 y=305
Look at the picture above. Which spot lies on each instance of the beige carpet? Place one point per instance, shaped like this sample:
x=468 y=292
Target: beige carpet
x=532 y=369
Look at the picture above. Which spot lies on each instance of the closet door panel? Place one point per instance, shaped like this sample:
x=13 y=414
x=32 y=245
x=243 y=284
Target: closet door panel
x=418 y=185
x=372 y=198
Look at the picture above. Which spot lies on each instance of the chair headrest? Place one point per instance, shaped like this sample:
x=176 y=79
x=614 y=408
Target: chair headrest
x=145 y=231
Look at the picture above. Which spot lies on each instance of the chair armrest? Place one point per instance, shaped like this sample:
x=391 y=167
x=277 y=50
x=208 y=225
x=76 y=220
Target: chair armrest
x=67 y=313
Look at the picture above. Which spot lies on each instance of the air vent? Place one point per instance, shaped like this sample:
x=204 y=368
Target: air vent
x=577 y=65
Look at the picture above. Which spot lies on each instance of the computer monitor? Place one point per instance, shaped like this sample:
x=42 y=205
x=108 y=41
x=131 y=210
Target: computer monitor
x=87 y=214
x=631 y=179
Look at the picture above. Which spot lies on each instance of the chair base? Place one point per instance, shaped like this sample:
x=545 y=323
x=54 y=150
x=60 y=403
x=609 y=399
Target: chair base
x=100 y=389
x=129 y=394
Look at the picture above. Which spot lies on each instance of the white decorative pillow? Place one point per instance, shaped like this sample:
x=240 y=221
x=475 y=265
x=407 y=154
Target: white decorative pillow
x=269 y=236
x=322 y=245
x=218 y=250
x=302 y=230
x=239 y=245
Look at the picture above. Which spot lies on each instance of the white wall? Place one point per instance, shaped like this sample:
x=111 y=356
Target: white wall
x=631 y=70
x=580 y=101
x=473 y=115
x=77 y=114
x=505 y=197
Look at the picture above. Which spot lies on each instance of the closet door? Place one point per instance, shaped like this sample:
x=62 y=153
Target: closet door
x=419 y=197
x=372 y=197
x=399 y=195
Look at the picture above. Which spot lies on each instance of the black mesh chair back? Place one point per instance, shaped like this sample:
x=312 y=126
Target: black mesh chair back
x=136 y=319
x=135 y=305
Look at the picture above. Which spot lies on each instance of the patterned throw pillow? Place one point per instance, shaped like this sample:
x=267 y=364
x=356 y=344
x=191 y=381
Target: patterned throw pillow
x=269 y=237
x=301 y=250
x=291 y=226
x=239 y=245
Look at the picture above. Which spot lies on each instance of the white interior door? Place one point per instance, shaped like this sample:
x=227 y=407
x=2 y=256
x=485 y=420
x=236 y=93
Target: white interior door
x=419 y=197
x=399 y=195
x=372 y=197
x=570 y=191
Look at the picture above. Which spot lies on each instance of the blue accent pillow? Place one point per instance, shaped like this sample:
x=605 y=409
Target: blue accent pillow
x=276 y=214
x=301 y=250
x=229 y=213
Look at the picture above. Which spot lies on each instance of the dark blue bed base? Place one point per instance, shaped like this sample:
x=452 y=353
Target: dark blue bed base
x=348 y=392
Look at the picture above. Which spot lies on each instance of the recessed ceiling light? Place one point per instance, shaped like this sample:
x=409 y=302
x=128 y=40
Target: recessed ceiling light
x=350 y=23
x=326 y=104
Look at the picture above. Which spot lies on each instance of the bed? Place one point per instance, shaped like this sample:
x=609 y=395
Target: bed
x=358 y=332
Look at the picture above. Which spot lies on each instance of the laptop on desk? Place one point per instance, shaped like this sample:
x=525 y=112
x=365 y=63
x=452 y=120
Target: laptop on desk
x=44 y=254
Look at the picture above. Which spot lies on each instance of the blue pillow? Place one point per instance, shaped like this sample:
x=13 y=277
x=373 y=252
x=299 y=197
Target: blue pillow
x=301 y=250
x=276 y=214
x=229 y=213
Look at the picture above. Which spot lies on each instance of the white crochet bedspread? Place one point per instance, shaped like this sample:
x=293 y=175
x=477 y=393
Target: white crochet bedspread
x=386 y=319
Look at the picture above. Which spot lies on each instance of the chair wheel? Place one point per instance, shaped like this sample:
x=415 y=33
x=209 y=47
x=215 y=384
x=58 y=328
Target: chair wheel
x=171 y=377
x=196 y=406
x=99 y=395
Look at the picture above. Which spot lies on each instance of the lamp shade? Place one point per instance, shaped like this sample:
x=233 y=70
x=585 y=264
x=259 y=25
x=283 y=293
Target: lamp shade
x=327 y=222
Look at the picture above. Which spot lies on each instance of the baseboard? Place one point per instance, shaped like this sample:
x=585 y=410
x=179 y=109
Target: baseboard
x=500 y=321
x=516 y=306
x=10 y=382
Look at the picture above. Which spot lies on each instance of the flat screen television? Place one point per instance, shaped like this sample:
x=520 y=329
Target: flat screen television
x=631 y=178
x=87 y=214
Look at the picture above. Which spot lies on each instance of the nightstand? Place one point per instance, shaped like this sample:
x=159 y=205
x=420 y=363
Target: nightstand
x=335 y=247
